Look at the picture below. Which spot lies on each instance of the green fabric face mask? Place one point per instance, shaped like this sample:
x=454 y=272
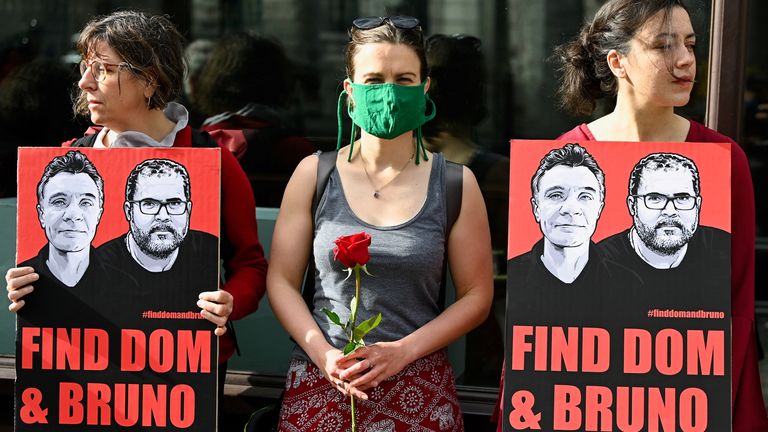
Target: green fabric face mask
x=388 y=111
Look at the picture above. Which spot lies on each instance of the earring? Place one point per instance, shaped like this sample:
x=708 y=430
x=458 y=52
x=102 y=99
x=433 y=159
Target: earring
x=149 y=102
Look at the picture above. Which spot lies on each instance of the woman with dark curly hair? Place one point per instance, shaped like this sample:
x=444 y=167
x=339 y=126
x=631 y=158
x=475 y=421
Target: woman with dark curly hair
x=642 y=53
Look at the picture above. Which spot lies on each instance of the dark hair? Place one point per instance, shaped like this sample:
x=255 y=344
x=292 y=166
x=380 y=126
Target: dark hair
x=157 y=168
x=36 y=90
x=149 y=43
x=386 y=33
x=241 y=69
x=585 y=75
x=457 y=84
x=663 y=162
x=570 y=155
x=196 y=55
x=73 y=162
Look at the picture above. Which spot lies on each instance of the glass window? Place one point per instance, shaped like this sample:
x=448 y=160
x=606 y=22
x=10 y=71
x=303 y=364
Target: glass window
x=517 y=92
x=755 y=143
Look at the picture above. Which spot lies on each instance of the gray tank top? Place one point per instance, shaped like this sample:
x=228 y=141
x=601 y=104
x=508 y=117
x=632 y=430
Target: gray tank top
x=406 y=263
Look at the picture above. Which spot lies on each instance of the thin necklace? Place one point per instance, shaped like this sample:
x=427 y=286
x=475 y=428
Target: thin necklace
x=377 y=190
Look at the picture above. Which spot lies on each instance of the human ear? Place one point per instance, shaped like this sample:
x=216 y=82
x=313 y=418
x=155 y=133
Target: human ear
x=426 y=84
x=615 y=62
x=40 y=216
x=127 y=210
x=348 y=90
x=535 y=208
x=631 y=205
x=150 y=88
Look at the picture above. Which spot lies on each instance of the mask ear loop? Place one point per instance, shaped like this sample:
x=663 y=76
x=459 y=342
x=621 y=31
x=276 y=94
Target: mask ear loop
x=351 y=142
x=420 y=150
x=339 y=104
x=352 y=133
x=339 y=124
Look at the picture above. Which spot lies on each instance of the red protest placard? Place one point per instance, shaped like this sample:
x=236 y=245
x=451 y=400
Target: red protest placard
x=124 y=240
x=618 y=290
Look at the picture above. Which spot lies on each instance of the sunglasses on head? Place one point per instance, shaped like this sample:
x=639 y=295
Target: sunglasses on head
x=399 y=21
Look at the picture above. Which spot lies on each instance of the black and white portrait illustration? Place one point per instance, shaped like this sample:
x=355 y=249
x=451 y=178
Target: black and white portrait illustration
x=120 y=298
x=619 y=255
x=159 y=248
x=70 y=202
x=666 y=244
x=567 y=199
x=568 y=192
x=158 y=208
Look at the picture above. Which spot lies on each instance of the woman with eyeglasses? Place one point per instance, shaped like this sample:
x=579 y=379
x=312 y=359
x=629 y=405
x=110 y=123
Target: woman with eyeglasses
x=132 y=71
x=642 y=53
x=386 y=184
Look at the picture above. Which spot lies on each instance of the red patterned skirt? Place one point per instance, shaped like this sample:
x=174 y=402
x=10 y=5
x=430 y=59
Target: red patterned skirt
x=422 y=397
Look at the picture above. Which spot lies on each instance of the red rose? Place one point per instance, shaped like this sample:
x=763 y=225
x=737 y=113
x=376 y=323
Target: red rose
x=352 y=249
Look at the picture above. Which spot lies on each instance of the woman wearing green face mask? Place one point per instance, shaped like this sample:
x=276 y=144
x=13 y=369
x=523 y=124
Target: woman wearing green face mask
x=387 y=185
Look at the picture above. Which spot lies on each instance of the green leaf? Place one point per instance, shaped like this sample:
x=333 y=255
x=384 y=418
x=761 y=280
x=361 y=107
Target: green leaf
x=333 y=317
x=366 y=326
x=348 y=348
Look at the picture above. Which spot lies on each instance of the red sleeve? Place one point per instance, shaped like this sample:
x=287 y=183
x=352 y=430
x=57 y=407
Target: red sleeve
x=579 y=133
x=244 y=263
x=231 y=139
x=748 y=407
x=92 y=130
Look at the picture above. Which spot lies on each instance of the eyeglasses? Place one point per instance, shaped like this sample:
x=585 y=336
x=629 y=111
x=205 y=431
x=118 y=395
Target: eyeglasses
x=657 y=201
x=152 y=207
x=99 y=68
x=399 y=21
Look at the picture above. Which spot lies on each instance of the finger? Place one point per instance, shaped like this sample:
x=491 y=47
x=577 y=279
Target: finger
x=17 y=294
x=349 y=363
x=356 y=392
x=220 y=309
x=20 y=281
x=333 y=376
x=220 y=330
x=15 y=306
x=357 y=369
x=360 y=353
x=340 y=386
x=218 y=320
x=218 y=296
x=214 y=308
x=370 y=379
x=17 y=271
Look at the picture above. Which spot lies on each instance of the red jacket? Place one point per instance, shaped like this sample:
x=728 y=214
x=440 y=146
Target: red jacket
x=748 y=408
x=241 y=251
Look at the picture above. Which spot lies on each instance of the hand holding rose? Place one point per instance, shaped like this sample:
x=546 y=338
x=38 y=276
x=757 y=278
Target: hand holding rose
x=352 y=252
x=368 y=366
